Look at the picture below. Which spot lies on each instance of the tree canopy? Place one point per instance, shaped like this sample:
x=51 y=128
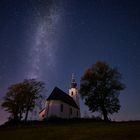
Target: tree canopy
x=100 y=87
x=21 y=98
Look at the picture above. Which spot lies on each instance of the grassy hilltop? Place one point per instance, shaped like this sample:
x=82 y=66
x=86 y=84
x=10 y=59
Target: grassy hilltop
x=86 y=130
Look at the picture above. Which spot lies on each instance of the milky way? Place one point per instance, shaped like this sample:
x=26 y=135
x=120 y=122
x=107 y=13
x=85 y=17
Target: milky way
x=44 y=43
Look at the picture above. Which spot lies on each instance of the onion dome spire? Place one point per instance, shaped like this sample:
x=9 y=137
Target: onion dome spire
x=73 y=82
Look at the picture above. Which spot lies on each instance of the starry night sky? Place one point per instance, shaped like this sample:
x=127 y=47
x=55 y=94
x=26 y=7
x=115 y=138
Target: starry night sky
x=51 y=39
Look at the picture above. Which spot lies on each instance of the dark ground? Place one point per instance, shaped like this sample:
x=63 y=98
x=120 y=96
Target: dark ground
x=72 y=130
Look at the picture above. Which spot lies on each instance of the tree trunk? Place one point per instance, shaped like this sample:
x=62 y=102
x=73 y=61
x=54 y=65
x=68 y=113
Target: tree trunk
x=15 y=118
x=20 y=117
x=28 y=108
x=104 y=112
x=26 y=114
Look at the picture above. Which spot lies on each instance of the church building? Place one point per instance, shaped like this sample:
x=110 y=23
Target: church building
x=62 y=105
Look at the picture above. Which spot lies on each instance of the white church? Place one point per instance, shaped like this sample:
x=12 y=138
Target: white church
x=62 y=105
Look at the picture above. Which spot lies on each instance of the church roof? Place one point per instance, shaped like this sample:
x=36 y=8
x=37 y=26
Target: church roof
x=58 y=94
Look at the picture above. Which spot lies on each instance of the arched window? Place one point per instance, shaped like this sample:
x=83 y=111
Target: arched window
x=61 y=108
x=70 y=111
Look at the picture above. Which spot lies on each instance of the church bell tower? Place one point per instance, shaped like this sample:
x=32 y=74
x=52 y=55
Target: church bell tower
x=73 y=91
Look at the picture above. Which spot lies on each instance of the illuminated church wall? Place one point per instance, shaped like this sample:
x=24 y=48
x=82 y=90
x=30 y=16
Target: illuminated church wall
x=62 y=110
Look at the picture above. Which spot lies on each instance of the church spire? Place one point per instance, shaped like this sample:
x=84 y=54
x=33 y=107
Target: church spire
x=73 y=82
x=73 y=91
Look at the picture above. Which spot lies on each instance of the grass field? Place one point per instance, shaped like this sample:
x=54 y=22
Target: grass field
x=73 y=131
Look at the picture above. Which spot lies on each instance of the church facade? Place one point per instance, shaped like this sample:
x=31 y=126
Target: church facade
x=62 y=105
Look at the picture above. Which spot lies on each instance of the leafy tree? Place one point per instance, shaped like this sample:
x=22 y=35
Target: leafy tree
x=100 y=87
x=21 y=98
x=14 y=101
x=32 y=90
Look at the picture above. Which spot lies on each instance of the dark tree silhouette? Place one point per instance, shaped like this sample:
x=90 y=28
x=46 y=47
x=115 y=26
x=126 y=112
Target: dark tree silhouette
x=100 y=87
x=21 y=98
